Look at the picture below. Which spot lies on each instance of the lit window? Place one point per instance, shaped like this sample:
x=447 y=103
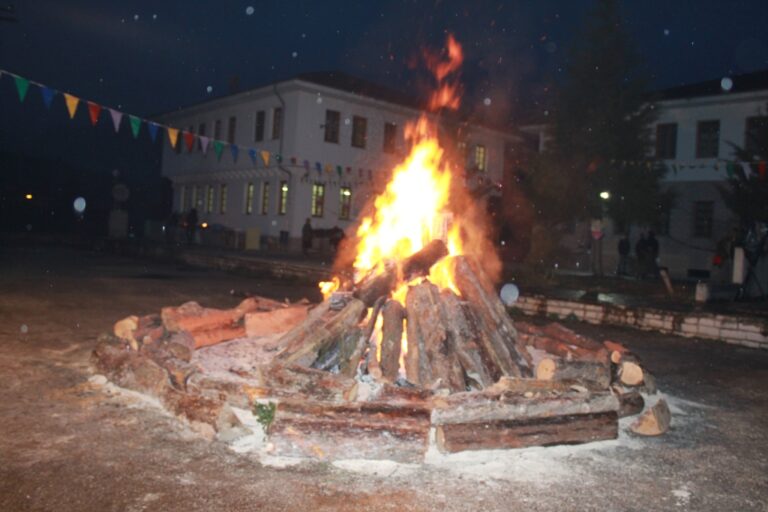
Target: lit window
x=345 y=203
x=249 y=199
x=480 y=157
x=390 y=137
x=222 y=198
x=318 y=199
x=359 y=131
x=277 y=123
x=282 y=206
x=209 y=200
x=265 y=198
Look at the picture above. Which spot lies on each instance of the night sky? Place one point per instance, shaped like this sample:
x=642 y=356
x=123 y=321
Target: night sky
x=146 y=57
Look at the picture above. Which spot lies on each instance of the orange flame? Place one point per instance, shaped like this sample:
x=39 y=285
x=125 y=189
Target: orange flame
x=447 y=94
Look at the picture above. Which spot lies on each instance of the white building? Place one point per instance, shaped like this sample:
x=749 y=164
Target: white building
x=695 y=132
x=337 y=137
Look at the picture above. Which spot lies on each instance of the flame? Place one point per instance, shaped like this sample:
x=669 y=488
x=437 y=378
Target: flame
x=328 y=287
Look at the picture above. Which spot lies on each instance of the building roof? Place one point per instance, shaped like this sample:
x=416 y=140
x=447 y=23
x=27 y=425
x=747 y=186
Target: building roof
x=746 y=82
x=355 y=85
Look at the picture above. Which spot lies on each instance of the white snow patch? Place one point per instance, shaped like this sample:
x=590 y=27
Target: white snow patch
x=682 y=495
x=386 y=468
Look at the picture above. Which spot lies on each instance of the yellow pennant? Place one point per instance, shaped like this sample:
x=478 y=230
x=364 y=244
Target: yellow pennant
x=72 y=102
x=265 y=157
x=173 y=136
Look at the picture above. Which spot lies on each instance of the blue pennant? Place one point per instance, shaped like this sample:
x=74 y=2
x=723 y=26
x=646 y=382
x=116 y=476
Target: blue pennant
x=48 y=95
x=152 y=127
x=318 y=168
x=233 y=148
x=252 y=154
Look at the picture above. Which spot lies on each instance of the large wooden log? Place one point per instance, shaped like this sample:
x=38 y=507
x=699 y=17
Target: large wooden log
x=310 y=382
x=437 y=365
x=379 y=282
x=464 y=341
x=419 y=263
x=591 y=374
x=322 y=328
x=519 y=433
x=393 y=316
x=354 y=430
x=501 y=344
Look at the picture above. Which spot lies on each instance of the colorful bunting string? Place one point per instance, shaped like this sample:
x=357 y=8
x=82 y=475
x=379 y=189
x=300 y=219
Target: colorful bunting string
x=72 y=102
x=135 y=125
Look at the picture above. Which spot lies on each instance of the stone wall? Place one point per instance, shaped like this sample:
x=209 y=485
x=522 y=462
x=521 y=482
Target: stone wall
x=739 y=330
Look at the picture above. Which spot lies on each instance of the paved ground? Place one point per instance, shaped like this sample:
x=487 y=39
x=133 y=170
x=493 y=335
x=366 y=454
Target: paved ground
x=68 y=445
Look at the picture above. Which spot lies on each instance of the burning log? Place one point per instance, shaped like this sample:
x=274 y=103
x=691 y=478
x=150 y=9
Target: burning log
x=499 y=342
x=464 y=340
x=419 y=263
x=393 y=315
x=431 y=364
x=322 y=328
x=365 y=430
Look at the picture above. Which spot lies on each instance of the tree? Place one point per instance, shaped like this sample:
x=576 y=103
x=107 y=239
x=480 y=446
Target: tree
x=600 y=136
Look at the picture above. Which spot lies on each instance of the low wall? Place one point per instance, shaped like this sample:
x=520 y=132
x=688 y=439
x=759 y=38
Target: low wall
x=738 y=330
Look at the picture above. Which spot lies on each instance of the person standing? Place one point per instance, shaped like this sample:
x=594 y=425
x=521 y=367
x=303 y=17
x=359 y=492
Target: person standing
x=306 y=237
x=624 y=248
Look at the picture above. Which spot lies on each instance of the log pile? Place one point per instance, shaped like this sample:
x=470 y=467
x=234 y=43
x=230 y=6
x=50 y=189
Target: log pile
x=362 y=375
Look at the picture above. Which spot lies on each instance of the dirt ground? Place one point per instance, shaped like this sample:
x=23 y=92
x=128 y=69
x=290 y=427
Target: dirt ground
x=68 y=444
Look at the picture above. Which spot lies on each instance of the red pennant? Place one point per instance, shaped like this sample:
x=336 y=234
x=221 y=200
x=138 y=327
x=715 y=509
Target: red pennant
x=761 y=169
x=94 y=109
x=189 y=140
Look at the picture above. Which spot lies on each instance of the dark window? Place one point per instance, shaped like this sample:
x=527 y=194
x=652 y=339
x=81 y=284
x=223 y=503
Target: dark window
x=201 y=133
x=282 y=205
x=345 y=203
x=756 y=136
x=277 y=123
x=217 y=129
x=265 y=198
x=703 y=218
x=359 y=131
x=318 y=199
x=231 y=130
x=390 y=137
x=707 y=139
x=332 y=120
x=666 y=140
x=258 y=132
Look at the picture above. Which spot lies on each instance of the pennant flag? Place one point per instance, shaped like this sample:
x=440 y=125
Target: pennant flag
x=117 y=116
x=349 y=170
x=173 y=136
x=306 y=165
x=318 y=167
x=328 y=168
x=339 y=170
x=747 y=169
x=94 y=109
x=48 y=94
x=135 y=125
x=265 y=157
x=204 y=144
x=152 y=128
x=22 y=86
x=761 y=169
x=72 y=102
x=252 y=154
x=218 y=147
x=233 y=148
x=189 y=140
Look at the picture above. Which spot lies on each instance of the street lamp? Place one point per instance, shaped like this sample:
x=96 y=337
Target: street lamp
x=28 y=197
x=605 y=195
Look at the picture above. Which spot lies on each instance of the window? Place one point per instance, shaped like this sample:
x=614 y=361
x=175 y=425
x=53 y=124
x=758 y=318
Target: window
x=359 y=129
x=222 y=198
x=258 y=130
x=277 y=123
x=480 y=156
x=209 y=200
x=183 y=198
x=231 y=129
x=666 y=140
x=282 y=203
x=756 y=136
x=332 y=119
x=265 y=198
x=318 y=199
x=194 y=196
x=707 y=139
x=217 y=129
x=703 y=213
x=201 y=133
x=345 y=203
x=390 y=137
x=249 y=198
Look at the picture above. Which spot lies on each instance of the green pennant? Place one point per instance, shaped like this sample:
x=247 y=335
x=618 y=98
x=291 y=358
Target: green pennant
x=135 y=125
x=218 y=147
x=339 y=170
x=22 y=86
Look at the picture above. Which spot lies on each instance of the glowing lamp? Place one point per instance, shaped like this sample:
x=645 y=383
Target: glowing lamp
x=605 y=195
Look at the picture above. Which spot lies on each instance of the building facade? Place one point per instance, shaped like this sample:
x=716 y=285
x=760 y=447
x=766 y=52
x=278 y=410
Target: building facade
x=331 y=142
